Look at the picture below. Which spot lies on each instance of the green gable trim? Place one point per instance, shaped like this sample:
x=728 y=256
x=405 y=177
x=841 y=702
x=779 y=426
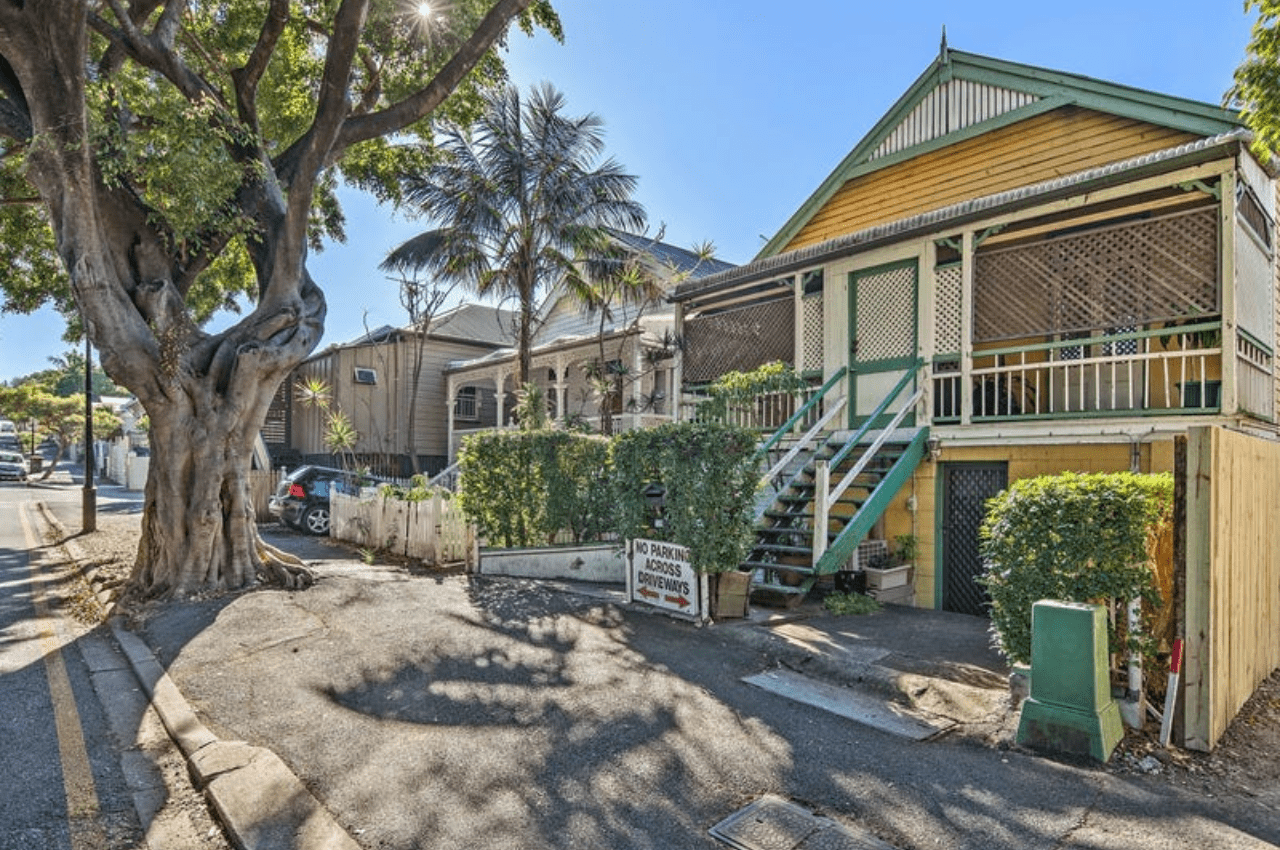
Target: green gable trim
x=1053 y=88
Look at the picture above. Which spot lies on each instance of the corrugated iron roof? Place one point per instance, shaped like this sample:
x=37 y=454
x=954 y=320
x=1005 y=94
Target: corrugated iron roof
x=852 y=242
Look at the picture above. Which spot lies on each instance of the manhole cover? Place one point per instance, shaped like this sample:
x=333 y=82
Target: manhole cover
x=772 y=823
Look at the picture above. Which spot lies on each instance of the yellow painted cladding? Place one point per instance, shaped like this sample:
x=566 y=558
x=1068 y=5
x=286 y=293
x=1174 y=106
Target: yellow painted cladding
x=1045 y=147
x=1026 y=461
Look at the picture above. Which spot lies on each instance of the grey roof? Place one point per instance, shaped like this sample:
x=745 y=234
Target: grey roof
x=669 y=255
x=851 y=243
x=475 y=323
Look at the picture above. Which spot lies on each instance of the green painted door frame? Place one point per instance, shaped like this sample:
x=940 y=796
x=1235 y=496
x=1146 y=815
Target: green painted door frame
x=884 y=343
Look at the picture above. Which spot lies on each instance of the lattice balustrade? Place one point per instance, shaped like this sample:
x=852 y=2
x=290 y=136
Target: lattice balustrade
x=740 y=338
x=1135 y=273
x=886 y=314
x=811 y=348
x=947 y=309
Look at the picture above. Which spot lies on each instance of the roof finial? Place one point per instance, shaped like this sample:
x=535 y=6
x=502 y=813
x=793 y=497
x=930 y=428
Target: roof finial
x=943 y=56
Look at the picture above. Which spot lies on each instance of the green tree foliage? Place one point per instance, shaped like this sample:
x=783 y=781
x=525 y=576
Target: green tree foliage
x=1074 y=538
x=66 y=378
x=708 y=476
x=59 y=417
x=1256 y=90
x=520 y=200
x=175 y=135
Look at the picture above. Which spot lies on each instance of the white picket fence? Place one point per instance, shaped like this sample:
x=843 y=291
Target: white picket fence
x=434 y=530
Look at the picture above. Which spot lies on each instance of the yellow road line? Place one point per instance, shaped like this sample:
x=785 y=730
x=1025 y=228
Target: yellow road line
x=77 y=776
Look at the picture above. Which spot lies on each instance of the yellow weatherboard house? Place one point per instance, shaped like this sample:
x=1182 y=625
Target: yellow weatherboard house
x=1017 y=271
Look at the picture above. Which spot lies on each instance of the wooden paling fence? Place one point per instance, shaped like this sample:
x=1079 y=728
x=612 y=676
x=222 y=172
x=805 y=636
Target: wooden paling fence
x=433 y=530
x=262 y=483
x=1232 y=604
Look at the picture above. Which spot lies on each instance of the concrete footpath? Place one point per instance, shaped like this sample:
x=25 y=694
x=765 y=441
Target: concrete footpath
x=444 y=710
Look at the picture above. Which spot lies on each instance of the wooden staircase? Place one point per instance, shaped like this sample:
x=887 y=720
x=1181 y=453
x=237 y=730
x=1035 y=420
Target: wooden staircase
x=827 y=508
x=786 y=559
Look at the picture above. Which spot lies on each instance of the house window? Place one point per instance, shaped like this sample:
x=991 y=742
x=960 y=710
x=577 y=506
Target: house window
x=1254 y=216
x=467 y=405
x=365 y=375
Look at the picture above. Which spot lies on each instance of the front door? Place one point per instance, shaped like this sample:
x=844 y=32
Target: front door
x=882 y=337
x=966 y=487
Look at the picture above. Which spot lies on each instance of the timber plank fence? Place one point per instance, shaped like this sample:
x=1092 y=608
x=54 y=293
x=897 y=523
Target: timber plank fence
x=1232 y=590
x=433 y=530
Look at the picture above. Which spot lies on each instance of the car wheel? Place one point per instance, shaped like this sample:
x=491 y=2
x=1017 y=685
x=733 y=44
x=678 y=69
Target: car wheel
x=316 y=520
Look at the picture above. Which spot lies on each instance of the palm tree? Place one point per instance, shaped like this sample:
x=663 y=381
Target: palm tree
x=520 y=200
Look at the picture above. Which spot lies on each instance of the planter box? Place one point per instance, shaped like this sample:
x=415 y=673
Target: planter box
x=890 y=578
x=730 y=594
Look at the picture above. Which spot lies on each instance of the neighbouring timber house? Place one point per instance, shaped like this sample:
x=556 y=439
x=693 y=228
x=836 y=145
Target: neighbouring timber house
x=1017 y=271
x=370 y=380
x=579 y=350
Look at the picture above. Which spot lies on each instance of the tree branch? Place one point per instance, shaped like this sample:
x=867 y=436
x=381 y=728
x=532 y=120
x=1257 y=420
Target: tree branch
x=423 y=102
x=247 y=78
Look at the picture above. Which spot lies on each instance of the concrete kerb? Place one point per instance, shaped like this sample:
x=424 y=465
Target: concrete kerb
x=259 y=800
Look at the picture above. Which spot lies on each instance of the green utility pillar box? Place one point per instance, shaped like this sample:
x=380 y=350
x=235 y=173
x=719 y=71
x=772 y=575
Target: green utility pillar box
x=1070 y=709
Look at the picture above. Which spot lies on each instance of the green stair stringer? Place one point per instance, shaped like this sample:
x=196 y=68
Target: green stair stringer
x=842 y=548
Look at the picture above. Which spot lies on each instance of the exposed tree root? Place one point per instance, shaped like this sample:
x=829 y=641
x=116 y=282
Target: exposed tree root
x=283 y=568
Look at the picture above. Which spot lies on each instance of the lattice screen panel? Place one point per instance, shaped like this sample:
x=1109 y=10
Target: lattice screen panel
x=740 y=339
x=947 y=307
x=811 y=349
x=1129 y=274
x=886 y=314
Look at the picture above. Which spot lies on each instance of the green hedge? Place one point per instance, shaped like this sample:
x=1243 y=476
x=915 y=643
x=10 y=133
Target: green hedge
x=1074 y=538
x=522 y=487
x=709 y=476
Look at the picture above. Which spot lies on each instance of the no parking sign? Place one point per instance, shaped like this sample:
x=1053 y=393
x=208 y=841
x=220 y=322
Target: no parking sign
x=660 y=574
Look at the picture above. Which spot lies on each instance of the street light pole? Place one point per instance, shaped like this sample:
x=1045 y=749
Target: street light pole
x=89 y=501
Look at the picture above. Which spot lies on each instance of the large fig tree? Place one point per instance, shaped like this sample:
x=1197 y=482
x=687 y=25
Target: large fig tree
x=182 y=156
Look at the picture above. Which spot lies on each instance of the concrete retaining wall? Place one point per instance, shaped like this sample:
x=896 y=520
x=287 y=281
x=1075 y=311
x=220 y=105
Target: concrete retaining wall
x=598 y=562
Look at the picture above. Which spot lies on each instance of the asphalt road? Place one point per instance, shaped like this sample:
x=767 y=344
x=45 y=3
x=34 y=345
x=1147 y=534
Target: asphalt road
x=84 y=764
x=61 y=785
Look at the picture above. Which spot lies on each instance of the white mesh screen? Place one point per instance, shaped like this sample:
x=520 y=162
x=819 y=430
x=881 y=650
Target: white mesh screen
x=947 y=309
x=811 y=346
x=886 y=315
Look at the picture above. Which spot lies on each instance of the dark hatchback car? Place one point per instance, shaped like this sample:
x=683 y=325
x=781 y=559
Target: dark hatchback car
x=302 y=498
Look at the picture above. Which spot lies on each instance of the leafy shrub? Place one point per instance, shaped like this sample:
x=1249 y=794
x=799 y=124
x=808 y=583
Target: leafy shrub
x=709 y=477
x=416 y=491
x=1075 y=538
x=842 y=604
x=522 y=487
x=735 y=390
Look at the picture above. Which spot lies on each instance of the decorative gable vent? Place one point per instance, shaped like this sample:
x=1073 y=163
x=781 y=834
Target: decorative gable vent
x=951 y=107
x=365 y=375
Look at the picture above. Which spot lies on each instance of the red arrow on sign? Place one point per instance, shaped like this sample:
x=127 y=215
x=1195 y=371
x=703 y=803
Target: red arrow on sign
x=677 y=600
x=646 y=592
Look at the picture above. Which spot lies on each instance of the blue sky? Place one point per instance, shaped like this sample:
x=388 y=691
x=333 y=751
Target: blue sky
x=732 y=113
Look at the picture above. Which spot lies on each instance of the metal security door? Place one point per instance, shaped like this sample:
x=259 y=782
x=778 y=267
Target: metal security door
x=882 y=336
x=966 y=489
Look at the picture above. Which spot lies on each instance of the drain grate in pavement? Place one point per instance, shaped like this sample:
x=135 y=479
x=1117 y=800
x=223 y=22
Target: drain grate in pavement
x=772 y=823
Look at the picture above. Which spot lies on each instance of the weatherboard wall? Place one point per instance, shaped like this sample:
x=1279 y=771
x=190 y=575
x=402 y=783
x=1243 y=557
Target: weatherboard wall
x=1024 y=461
x=1061 y=142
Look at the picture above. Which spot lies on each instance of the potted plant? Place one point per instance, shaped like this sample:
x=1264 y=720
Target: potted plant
x=895 y=567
